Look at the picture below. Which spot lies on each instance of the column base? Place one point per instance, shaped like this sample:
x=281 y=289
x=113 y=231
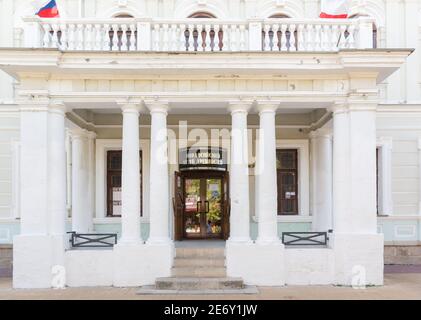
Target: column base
x=138 y=265
x=258 y=264
x=34 y=257
x=358 y=259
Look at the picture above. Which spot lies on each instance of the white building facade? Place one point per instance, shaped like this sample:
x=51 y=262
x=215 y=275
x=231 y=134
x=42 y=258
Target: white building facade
x=178 y=120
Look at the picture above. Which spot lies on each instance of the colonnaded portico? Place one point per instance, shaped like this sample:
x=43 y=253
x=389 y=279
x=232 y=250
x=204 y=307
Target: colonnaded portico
x=138 y=92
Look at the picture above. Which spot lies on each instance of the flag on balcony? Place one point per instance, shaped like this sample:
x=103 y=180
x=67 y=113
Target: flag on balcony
x=334 y=9
x=49 y=10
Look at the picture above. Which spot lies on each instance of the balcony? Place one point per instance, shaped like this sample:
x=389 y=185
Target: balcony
x=193 y=35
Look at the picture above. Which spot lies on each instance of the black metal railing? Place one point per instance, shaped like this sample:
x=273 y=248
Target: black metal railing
x=304 y=238
x=92 y=240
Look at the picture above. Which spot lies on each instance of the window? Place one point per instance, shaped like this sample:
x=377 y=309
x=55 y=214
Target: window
x=202 y=15
x=287 y=181
x=114 y=164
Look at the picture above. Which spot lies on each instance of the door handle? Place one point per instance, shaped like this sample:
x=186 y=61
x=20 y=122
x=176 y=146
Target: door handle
x=198 y=210
x=207 y=206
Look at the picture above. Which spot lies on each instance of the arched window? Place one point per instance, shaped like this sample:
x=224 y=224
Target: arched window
x=202 y=15
x=357 y=15
x=123 y=15
x=279 y=16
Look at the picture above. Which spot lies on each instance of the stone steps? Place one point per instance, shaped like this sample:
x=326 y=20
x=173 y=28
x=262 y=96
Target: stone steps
x=176 y=283
x=199 y=272
x=204 y=263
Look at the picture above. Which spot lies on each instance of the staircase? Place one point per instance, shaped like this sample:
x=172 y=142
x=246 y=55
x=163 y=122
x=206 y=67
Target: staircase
x=199 y=271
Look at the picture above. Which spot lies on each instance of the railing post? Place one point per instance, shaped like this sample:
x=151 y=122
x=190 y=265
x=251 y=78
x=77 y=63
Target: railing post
x=144 y=37
x=32 y=32
x=365 y=33
x=255 y=35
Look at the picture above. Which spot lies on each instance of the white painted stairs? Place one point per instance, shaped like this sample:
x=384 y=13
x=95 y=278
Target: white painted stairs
x=199 y=271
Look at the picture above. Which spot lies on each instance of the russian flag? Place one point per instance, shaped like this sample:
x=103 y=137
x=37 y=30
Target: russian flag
x=50 y=10
x=334 y=9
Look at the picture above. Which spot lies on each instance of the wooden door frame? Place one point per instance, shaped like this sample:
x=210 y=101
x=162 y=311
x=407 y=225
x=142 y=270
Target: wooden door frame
x=205 y=174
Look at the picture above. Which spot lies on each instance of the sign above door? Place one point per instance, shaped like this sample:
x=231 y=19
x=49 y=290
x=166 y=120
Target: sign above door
x=203 y=158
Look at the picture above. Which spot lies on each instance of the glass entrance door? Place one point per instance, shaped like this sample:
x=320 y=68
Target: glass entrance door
x=203 y=207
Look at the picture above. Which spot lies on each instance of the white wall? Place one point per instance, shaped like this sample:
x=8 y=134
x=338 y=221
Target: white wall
x=405 y=131
x=9 y=136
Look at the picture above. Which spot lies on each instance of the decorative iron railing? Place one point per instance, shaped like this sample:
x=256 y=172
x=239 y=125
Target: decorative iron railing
x=92 y=240
x=305 y=238
x=193 y=35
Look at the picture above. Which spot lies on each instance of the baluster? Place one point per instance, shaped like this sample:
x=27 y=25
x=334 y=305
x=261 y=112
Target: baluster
x=124 y=40
x=165 y=44
x=54 y=38
x=80 y=39
x=200 y=42
x=300 y=38
x=334 y=38
x=234 y=38
x=309 y=37
x=133 y=43
x=242 y=37
x=46 y=38
x=325 y=37
x=226 y=43
x=156 y=44
x=292 y=41
x=208 y=40
x=107 y=40
x=317 y=39
x=183 y=38
x=267 y=38
x=71 y=37
x=191 y=38
x=342 y=41
x=284 y=39
x=173 y=37
x=98 y=37
x=275 y=41
x=88 y=37
x=351 y=38
x=63 y=37
x=216 y=40
x=116 y=40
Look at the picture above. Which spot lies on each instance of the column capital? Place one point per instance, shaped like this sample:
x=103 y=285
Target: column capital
x=78 y=133
x=338 y=107
x=264 y=106
x=320 y=133
x=157 y=106
x=235 y=106
x=129 y=105
x=58 y=107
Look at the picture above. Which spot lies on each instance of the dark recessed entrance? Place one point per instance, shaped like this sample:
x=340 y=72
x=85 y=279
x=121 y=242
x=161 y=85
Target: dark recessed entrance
x=201 y=205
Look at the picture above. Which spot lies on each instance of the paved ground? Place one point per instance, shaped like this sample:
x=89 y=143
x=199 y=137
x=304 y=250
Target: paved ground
x=397 y=286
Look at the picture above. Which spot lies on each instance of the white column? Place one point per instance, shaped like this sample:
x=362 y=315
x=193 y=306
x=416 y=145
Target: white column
x=419 y=176
x=354 y=168
x=57 y=170
x=34 y=170
x=159 y=179
x=130 y=183
x=91 y=178
x=266 y=165
x=80 y=182
x=239 y=177
x=322 y=180
x=341 y=173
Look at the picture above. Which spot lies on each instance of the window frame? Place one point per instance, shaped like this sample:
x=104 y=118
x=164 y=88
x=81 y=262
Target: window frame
x=296 y=183
x=109 y=206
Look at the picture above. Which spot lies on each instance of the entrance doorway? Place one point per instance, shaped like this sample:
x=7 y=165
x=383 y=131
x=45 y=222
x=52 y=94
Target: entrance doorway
x=201 y=205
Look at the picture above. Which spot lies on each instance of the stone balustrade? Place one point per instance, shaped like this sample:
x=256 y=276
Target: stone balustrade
x=130 y=34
